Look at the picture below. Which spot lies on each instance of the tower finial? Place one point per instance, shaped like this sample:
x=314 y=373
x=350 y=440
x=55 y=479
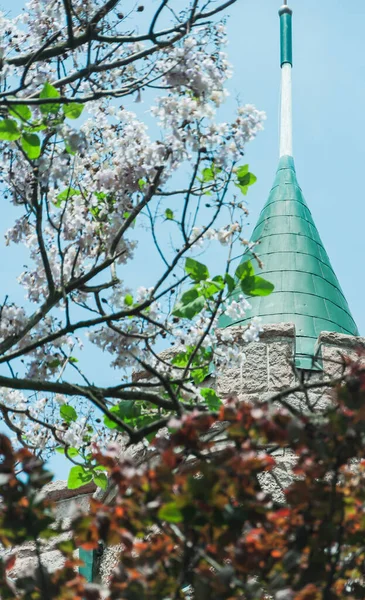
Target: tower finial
x=286 y=61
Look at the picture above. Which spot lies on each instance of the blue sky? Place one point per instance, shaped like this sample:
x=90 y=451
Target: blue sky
x=329 y=120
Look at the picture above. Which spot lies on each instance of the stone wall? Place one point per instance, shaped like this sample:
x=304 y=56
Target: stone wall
x=67 y=502
x=269 y=367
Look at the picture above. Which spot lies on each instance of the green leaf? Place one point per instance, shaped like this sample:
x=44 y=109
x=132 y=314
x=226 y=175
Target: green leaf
x=101 y=480
x=142 y=183
x=251 y=284
x=78 y=477
x=244 y=179
x=242 y=171
x=247 y=179
x=126 y=411
x=199 y=375
x=169 y=214
x=210 y=173
x=36 y=126
x=49 y=92
x=147 y=420
x=188 y=310
x=189 y=296
x=170 y=513
x=73 y=359
x=196 y=270
x=71 y=452
x=212 y=286
x=20 y=111
x=53 y=364
x=245 y=270
x=68 y=413
x=69 y=149
x=128 y=300
x=257 y=286
x=73 y=110
x=65 y=195
x=9 y=130
x=31 y=145
x=211 y=398
x=231 y=284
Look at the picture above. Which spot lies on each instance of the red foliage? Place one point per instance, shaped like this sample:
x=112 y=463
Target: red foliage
x=209 y=515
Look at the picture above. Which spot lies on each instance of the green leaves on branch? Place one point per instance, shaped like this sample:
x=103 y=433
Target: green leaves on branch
x=73 y=110
x=24 y=128
x=210 y=173
x=244 y=179
x=30 y=142
x=20 y=111
x=198 y=365
x=80 y=476
x=49 y=92
x=169 y=215
x=190 y=304
x=31 y=145
x=170 y=513
x=251 y=284
x=128 y=300
x=193 y=301
x=196 y=270
x=211 y=398
x=125 y=411
x=68 y=413
x=9 y=130
x=65 y=195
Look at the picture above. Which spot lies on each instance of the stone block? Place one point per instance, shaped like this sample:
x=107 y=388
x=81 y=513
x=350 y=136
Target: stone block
x=26 y=566
x=280 y=365
x=332 y=347
x=252 y=377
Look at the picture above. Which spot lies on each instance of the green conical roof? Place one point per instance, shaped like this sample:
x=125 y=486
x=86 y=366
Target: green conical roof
x=307 y=292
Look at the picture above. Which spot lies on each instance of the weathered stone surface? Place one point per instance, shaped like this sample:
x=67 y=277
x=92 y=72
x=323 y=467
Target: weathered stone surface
x=340 y=340
x=278 y=330
x=26 y=566
x=58 y=490
x=333 y=359
x=251 y=398
x=109 y=561
x=280 y=364
x=252 y=377
x=229 y=383
x=332 y=347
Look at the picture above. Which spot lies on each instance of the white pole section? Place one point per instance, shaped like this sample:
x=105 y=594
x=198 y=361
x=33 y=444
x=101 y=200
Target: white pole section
x=286 y=117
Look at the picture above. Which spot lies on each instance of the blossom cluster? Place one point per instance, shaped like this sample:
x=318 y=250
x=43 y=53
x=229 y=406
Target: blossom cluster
x=94 y=190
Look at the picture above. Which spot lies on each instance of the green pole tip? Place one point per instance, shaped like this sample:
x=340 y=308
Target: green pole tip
x=285 y=10
x=286 y=44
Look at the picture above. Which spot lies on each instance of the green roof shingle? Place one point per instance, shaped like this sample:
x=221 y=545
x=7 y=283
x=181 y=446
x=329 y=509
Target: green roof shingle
x=307 y=292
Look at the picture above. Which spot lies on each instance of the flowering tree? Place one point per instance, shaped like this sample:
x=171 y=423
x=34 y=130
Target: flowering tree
x=85 y=177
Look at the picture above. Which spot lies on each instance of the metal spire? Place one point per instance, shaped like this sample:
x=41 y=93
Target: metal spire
x=286 y=58
x=293 y=258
